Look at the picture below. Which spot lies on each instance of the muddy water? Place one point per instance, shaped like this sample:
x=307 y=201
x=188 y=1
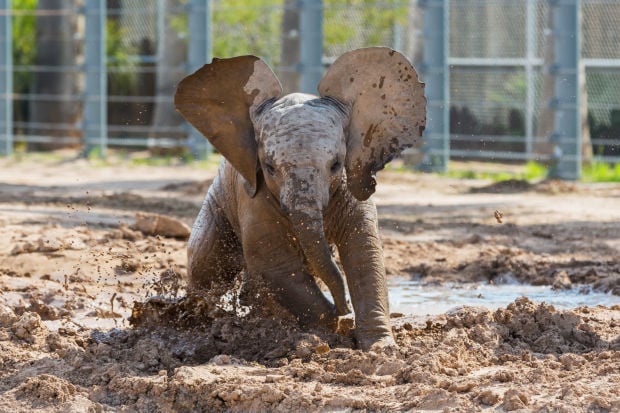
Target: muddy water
x=411 y=297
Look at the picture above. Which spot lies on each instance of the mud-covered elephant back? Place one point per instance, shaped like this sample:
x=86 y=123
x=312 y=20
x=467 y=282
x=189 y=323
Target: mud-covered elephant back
x=388 y=110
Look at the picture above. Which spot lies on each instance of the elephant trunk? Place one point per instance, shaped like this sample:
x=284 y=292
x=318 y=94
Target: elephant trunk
x=319 y=260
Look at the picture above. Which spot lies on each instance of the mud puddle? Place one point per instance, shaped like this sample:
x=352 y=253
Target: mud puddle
x=415 y=298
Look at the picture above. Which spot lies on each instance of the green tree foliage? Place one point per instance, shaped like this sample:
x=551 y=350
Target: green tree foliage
x=360 y=23
x=120 y=61
x=247 y=27
x=240 y=27
x=24 y=42
x=254 y=26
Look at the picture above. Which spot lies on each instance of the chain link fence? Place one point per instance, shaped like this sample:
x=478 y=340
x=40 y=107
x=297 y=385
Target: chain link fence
x=601 y=53
x=495 y=58
x=142 y=50
x=41 y=79
x=499 y=59
x=352 y=25
x=132 y=47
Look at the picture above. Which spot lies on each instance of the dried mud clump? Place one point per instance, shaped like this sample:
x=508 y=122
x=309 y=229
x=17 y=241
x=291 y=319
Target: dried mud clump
x=73 y=262
x=156 y=224
x=7 y=316
x=509 y=186
x=29 y=327
x=542 y=329
x=504 y=187
x=196 y=354
x=189 y=187
x=45 y=389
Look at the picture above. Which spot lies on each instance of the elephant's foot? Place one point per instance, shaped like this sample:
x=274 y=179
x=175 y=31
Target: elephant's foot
x=382 y=342
x=317 y=313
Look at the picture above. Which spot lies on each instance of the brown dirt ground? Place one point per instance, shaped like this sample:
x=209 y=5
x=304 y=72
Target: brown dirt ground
x=72 y=264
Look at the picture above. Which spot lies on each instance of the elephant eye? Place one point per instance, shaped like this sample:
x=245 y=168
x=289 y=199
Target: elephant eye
x=270 y=169
x=336 y=166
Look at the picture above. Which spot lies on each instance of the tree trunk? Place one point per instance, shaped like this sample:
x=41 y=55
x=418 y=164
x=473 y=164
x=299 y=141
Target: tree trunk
x=55 y=49
x=289 y=75
x=586 y=141
x=415 y=25
x=169 y=71
x=542 y=148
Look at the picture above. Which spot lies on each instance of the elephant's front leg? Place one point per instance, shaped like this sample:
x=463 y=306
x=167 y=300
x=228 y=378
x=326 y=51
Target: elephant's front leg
x=270 y=253
x=213 y=250
x=361 y=255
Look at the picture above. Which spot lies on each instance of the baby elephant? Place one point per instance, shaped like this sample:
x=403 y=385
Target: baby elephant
x=296 y=178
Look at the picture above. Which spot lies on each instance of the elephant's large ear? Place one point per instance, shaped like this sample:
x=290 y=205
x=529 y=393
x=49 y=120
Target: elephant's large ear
x=387 y=106
x=217 y=100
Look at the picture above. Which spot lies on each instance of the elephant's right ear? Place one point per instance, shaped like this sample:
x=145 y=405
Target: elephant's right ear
x=387 y=106
x=217 y=100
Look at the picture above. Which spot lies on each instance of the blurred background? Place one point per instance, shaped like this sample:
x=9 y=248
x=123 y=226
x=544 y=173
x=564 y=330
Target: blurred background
x=533 y=82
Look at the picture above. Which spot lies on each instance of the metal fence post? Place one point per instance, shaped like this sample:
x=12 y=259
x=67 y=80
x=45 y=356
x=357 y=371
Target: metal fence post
x=199 y=53
x=530 y=56
x=566 y=103
x=436 y=75
x=6 y=81
x=96 y=78
x=311 y=44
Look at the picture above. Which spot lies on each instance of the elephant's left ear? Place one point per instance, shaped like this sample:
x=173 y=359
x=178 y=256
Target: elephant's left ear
x=387 y=106
x=218 y=100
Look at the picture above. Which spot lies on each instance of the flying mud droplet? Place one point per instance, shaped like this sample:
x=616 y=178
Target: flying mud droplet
x=498 y=216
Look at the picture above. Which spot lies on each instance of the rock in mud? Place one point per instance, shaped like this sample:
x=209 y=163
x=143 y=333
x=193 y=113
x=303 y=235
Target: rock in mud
x=29 y=327
x=489 y=397
x=155 y=224
x=7 y=316
x=561 y=281
x=515 y=400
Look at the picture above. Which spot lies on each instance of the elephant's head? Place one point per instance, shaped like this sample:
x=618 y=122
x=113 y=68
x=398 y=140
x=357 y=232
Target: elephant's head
x=371 y=107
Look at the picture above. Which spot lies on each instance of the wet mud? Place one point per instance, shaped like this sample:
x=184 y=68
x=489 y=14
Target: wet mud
x=94 y=315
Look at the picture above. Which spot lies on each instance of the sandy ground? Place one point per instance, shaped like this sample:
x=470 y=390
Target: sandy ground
x=77 y=332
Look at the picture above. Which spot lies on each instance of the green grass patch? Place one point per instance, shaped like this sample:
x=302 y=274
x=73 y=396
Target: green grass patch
x=534 y=170
x=531 y=171
x=600 y=172
x=594 y=172
x=145 y=158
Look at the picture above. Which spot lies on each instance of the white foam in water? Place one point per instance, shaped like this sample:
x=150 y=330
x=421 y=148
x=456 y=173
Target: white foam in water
x=411 y=297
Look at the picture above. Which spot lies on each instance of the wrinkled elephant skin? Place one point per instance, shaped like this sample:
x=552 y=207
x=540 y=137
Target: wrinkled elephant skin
x=296 y=178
